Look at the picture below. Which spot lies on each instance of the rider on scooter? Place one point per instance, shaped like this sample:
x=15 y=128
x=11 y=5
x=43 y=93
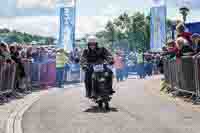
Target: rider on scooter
x=93 y=55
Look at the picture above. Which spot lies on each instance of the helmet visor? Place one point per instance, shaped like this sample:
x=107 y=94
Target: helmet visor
x=92 y=44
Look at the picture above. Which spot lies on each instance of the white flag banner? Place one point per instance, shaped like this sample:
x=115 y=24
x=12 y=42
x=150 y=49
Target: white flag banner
x=157 y=3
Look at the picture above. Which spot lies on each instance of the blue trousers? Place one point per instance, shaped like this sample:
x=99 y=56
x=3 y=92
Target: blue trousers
x=119 y=74
x=60 y=77
x=140 y=70
x=125 y=72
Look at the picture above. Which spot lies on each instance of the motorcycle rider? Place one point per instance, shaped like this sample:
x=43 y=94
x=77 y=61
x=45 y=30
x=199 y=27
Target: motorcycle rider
x=93 y=55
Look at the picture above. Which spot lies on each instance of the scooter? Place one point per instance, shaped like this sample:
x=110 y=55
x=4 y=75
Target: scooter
x=102 y=81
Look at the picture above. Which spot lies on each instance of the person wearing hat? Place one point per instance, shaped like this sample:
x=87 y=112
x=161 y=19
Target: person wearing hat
x=93 y=55
x=180 y=28
x=172 y=50
x=140 y=64
x=196 y=42
x=61 y=60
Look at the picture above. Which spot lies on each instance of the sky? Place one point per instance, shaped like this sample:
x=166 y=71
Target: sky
x=41 y=16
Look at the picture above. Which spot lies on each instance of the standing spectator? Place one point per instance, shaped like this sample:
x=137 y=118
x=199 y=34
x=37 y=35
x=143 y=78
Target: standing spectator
x=36 y=55
x=29 y=53
x=196 y=42
x=23 y=54
x=43 y=55
x=4 y=52
x=20 y=72
x=184 y=47
x=75 y=56
x=148 y=65
x=61 y=60
x=125 y=68
x=140 y=64
x=172 y=50
x=180 y=28
x=118 y=64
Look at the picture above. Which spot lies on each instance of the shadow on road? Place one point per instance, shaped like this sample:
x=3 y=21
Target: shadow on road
x=96 y=109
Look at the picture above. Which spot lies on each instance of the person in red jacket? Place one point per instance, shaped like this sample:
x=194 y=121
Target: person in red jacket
x=180 y=28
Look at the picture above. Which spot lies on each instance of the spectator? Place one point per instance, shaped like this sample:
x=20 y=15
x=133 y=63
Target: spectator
x=4 y=52
x=172 y=50
x=29 y=53
x=43 y=55
x=36 y=55
x=61 y=60
x=140 y=64
x=75 y=56
x=23 y=54
x=148 y=65
x=181 y=33
x=118 y=64
x=20 y=72
x=196 y=42
x=184 y=47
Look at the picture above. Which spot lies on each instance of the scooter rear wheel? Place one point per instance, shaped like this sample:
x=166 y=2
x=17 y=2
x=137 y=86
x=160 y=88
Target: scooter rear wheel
x=100 y=104
x=107 y=106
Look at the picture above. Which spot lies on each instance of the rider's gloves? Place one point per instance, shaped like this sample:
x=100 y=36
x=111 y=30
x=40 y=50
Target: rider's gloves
x=111 y=63
x=85 y=68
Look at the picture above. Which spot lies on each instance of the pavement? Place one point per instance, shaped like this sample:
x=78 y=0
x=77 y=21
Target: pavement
x=137 y=107
x=15 y=105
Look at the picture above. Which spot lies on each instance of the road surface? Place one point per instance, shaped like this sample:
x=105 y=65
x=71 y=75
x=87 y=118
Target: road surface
x=134 y=110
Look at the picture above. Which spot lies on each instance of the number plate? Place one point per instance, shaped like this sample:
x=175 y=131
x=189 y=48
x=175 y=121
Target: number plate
x=98 y=68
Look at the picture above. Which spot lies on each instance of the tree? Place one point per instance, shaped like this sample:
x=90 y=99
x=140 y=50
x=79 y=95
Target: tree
x=134 y=29
x=110 y=33
x=16 y=38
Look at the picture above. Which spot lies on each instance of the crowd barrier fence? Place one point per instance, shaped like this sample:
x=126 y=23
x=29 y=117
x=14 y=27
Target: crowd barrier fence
x=74 y=73
x=7 y=77
x=184 y=75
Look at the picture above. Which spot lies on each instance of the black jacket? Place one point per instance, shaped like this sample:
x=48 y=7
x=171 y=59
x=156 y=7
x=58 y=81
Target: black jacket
x=98 y=56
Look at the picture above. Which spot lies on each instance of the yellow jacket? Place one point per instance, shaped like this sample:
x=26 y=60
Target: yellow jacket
x=61 y=60
x=140 y=58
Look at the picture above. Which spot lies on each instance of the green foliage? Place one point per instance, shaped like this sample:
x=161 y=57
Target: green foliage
x=19 y=37
x=134 y=28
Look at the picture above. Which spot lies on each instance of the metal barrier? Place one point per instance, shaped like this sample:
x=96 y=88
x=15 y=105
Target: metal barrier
x=36 y=75
x=7 y=77
x=28 y=72
x=74 y=73
x=48 y=73
x=197 y=74
x=43 y=74
x=183 y=76
x=187 y=74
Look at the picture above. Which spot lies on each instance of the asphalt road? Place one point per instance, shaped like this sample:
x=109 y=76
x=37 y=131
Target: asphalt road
x=134 y=110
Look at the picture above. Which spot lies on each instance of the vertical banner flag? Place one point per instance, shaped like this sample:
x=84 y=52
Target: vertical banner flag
x=67 y=25
x=158 y=25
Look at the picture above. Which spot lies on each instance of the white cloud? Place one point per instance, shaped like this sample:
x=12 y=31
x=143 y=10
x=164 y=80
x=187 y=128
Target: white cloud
x=36 y=3
x=90 y=24
x=36 y=25
x=49 y=25
x=111 y=9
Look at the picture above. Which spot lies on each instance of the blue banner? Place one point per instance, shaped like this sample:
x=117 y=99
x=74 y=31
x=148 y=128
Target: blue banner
x=67 y=28
x=158 y=28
